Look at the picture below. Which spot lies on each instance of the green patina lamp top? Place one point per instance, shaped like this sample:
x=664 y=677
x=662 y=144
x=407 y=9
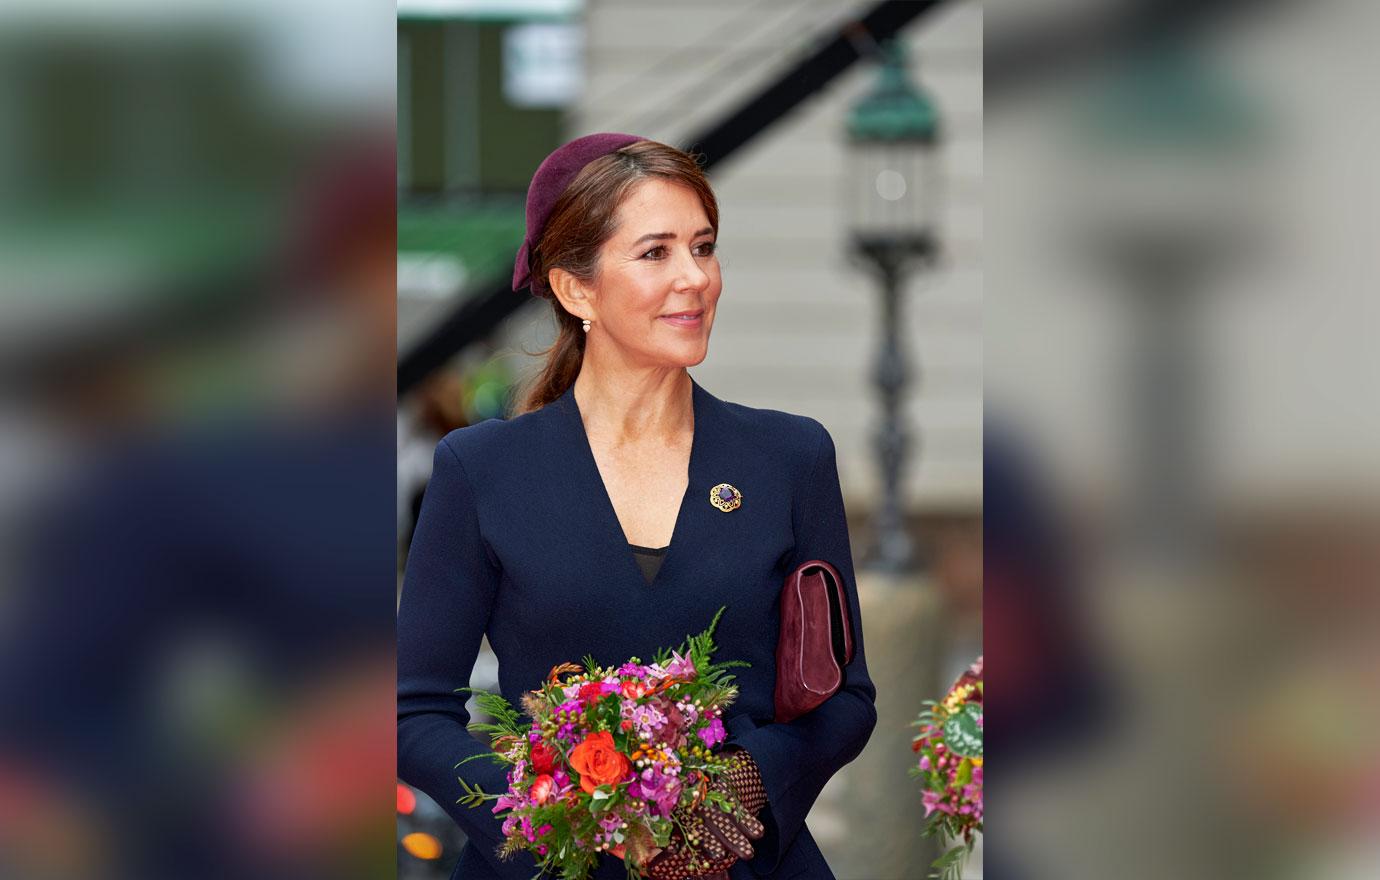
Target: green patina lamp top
x=895 y=109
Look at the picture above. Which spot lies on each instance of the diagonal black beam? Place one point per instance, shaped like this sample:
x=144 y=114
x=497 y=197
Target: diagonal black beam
x=852 y=41
x=478 y=317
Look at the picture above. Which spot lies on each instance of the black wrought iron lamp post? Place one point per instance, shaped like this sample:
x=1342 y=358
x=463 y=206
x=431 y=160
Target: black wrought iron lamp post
x=893 y=140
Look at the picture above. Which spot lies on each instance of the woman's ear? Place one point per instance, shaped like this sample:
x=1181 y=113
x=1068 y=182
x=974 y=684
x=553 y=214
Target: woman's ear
x=573 y=295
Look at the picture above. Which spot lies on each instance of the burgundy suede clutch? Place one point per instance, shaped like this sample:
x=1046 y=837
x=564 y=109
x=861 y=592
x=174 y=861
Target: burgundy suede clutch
x=816 y=639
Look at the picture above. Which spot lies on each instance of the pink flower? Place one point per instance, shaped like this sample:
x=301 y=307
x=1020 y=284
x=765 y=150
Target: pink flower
x=935 y=801
x=507 y=801
x=680 y=667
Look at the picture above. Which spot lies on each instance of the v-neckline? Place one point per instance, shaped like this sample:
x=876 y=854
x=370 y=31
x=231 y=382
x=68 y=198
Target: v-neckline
x=613 y=524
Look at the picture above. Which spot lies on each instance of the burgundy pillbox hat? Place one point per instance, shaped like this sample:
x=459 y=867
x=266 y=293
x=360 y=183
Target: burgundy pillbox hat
x=553 y=175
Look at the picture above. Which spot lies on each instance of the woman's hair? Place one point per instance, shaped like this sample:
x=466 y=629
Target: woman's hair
x=582 y=220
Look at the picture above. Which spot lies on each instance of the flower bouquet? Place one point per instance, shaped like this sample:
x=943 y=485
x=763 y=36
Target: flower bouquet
x=950 y=766
x=612 y=760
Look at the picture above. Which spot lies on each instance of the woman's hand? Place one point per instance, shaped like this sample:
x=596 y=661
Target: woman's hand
x=717 y=838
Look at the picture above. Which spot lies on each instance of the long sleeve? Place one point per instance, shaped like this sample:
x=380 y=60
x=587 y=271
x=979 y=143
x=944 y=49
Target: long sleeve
x=448 y=591
x=796 y=759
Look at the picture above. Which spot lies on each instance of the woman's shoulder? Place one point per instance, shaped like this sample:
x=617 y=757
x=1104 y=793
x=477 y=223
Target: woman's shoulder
x=495 y=439
x=794 y=435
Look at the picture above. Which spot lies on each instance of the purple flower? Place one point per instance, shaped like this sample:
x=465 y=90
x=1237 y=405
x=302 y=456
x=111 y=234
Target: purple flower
x=658 y=789
x=636 y=669
x=713 y=733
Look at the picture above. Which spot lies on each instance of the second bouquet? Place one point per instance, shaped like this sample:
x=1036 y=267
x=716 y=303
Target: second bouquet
x=610 y=759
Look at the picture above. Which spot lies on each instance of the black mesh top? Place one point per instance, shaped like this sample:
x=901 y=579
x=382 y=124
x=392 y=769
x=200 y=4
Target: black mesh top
x=648 y=559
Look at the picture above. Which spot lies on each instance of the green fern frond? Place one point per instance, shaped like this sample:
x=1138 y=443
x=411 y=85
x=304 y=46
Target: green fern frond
x=493 y=756
x=507 y=719
x=474 y=795
x=949 y=866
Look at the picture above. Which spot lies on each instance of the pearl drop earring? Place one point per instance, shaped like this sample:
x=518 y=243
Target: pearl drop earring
x=586 y=325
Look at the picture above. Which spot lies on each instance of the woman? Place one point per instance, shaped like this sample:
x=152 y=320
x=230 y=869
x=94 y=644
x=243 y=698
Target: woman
x=620 y=508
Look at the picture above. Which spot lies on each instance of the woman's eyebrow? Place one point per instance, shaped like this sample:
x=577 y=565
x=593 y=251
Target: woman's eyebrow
x=659 y=236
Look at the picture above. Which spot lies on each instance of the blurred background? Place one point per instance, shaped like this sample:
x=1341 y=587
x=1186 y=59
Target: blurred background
x=1181 y=433
x=197 y=239
x=844 y=142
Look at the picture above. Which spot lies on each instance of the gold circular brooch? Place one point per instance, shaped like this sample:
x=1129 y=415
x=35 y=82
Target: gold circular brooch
x=725 y=497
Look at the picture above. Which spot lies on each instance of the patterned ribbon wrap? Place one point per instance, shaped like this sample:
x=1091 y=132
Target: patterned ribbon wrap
x=717 y=836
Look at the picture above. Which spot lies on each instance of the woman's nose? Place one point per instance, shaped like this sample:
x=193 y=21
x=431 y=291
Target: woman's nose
x=690 y=270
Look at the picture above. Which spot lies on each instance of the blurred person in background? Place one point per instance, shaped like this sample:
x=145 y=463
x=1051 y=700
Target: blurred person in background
x=193 y=659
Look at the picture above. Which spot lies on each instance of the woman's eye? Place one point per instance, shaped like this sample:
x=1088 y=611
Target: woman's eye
x=705 y=249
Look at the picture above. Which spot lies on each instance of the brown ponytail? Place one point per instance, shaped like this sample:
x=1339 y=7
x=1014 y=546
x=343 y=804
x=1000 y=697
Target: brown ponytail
x=583 y=219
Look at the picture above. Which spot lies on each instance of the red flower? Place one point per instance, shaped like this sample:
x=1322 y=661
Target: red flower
x=591 y=692
x=543 y=758
x=541 y=788
x=634 y=689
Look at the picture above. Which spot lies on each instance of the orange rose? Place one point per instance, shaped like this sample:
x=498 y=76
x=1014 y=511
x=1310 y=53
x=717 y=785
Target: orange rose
x=598 y=761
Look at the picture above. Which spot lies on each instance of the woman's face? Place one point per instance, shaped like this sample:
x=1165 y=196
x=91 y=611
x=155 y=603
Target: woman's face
x=659 y=264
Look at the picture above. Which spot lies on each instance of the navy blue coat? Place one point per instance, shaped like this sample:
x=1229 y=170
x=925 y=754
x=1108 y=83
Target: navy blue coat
x=517 y=538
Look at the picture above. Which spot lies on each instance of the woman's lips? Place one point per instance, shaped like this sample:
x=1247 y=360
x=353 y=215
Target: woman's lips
x=687 y=321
